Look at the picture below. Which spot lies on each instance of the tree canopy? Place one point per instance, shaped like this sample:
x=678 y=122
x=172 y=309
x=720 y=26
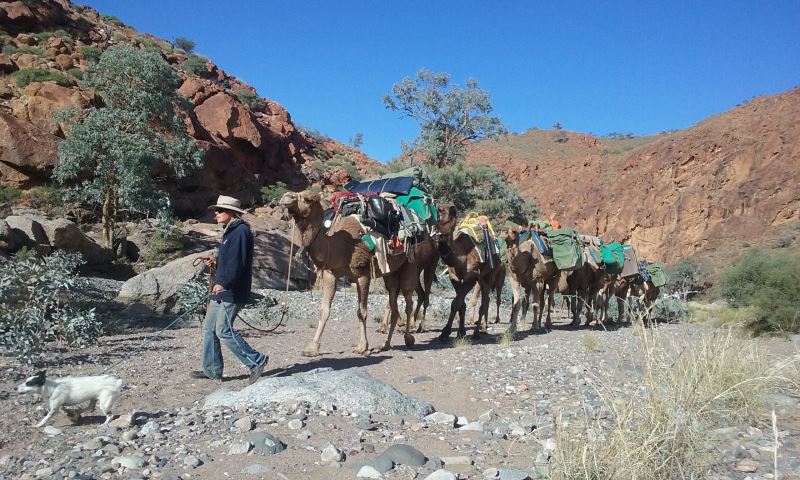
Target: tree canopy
x=113 y=151
x=449 y=116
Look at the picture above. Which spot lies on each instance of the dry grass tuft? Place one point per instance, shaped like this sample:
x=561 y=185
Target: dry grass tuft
x=590 y=342
x=687 y=390
x=461 y=343
x=506 y=339
x=720 y=315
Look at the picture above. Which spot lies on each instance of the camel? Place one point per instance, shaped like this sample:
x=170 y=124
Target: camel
x=465 y=270
x=426 y=258
x=647 y=293
x=529 y=272
x=341 y=253
x=497 y=288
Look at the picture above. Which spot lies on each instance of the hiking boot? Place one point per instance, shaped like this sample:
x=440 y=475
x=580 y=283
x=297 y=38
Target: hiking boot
x=199 y=374
x=255 y=373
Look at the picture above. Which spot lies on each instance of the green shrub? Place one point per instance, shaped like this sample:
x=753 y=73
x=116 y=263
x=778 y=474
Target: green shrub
x=42 y=37
x=35 y=309
x=112 y=19
x=193 y=291
x=272 y=193
x=26 y=76
x=119 y=37
x=686 y=278
x=11 y=49
x=770 y=282
x=9 y=194
x=249 y=98
x=167 y=242
x=670 y=310
x=90 y=54
x=184 y=44
x=76 y=73
x=44 y=198
x=195 y=65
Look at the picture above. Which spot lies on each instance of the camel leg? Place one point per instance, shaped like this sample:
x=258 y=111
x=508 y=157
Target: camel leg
x=408 y=339
x=384 y=319
x=428 y=275
x=328 y=280
x=362 y=284
x=536 y=321
x=483 y=312
x=551 y=293
x=392 y=287
x=516 y=303
x=497 y=299
x=457 y=306
x=472 y=302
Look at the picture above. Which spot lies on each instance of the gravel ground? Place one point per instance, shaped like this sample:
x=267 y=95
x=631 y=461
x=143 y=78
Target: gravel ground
x=496 y=403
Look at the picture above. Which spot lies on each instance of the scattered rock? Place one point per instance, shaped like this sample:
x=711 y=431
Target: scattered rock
x=265 y=443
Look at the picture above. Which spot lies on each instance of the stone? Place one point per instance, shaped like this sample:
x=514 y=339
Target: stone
x=513 y=474
x=441 y=418
x=191 y=461
x=352 y=390
x=52 y=431
x=64 y=61
x=368 y=471
x=244 y=424
x=331 y=454
x=122 y=421
x=476 y=426
x=405 y=455
x=149 y=428
x=133 y=462
x=747 y=466
x=457 y=460
x=239 y=448
x=295 y=424
x=442 y=475
x=265 y=443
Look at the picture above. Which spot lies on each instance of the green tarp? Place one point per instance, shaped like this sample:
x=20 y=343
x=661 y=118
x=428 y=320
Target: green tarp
x=567 y=251
x=613 y=257
x=657 y=275
x=421 y=203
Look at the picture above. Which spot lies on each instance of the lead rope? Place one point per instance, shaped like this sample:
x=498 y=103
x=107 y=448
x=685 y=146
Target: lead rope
x=285 y=307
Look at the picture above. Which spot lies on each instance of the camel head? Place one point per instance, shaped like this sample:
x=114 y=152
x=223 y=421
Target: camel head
x=448 y=217
x=301 y=205
x=511 y=236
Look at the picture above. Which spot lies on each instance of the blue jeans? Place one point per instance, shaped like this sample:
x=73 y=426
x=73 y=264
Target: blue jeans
x=217 y=326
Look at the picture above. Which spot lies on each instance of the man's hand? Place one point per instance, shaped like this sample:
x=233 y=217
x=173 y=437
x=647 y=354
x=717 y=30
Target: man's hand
x=210 y=261
x=217 y=288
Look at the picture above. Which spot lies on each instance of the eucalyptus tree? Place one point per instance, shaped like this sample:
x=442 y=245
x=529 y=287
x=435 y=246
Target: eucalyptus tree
x=449 y=116
x=111 y=153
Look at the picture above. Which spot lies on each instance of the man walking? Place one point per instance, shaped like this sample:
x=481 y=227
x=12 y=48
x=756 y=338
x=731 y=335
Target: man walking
x=229 y=292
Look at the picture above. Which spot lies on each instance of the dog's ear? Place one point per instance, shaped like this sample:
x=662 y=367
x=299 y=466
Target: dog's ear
x=36 y=380
x=41 y=373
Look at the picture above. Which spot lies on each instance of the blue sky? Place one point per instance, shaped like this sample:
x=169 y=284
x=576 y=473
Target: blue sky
x=594 y=66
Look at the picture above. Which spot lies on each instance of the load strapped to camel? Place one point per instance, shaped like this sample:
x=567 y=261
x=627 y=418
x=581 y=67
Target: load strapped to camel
x=567 y=250
x=395 y=211
x=655 y=273
x=630 y=266
x=613 y=257
x=479 y=229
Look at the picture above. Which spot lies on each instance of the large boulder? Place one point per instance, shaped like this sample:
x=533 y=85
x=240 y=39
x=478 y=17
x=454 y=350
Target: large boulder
x=65 y=235
x=27 y=153
x=158 y=288
x=229 y=121
x=352 y=390
x=40 y=100
x=271 y=264
x=30 y=229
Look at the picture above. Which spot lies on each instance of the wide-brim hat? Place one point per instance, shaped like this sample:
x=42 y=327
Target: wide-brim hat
x=227 y=203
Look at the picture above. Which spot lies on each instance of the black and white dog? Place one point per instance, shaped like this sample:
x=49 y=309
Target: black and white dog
x=101 y=390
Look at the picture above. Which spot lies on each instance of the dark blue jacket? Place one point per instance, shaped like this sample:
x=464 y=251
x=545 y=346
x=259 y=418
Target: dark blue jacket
x=235 y=263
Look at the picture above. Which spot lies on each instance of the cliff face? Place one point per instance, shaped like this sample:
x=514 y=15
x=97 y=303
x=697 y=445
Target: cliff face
x=729 y=181
x=249 y=141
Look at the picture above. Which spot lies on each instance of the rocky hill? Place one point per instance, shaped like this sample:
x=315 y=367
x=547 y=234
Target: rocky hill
x=249 y=141
x=710 y=190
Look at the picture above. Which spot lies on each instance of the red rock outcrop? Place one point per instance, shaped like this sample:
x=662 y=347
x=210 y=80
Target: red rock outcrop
x=247 y=146
x=729 y=181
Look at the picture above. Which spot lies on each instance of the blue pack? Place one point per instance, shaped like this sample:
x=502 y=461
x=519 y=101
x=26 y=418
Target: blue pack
x=541 y=244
